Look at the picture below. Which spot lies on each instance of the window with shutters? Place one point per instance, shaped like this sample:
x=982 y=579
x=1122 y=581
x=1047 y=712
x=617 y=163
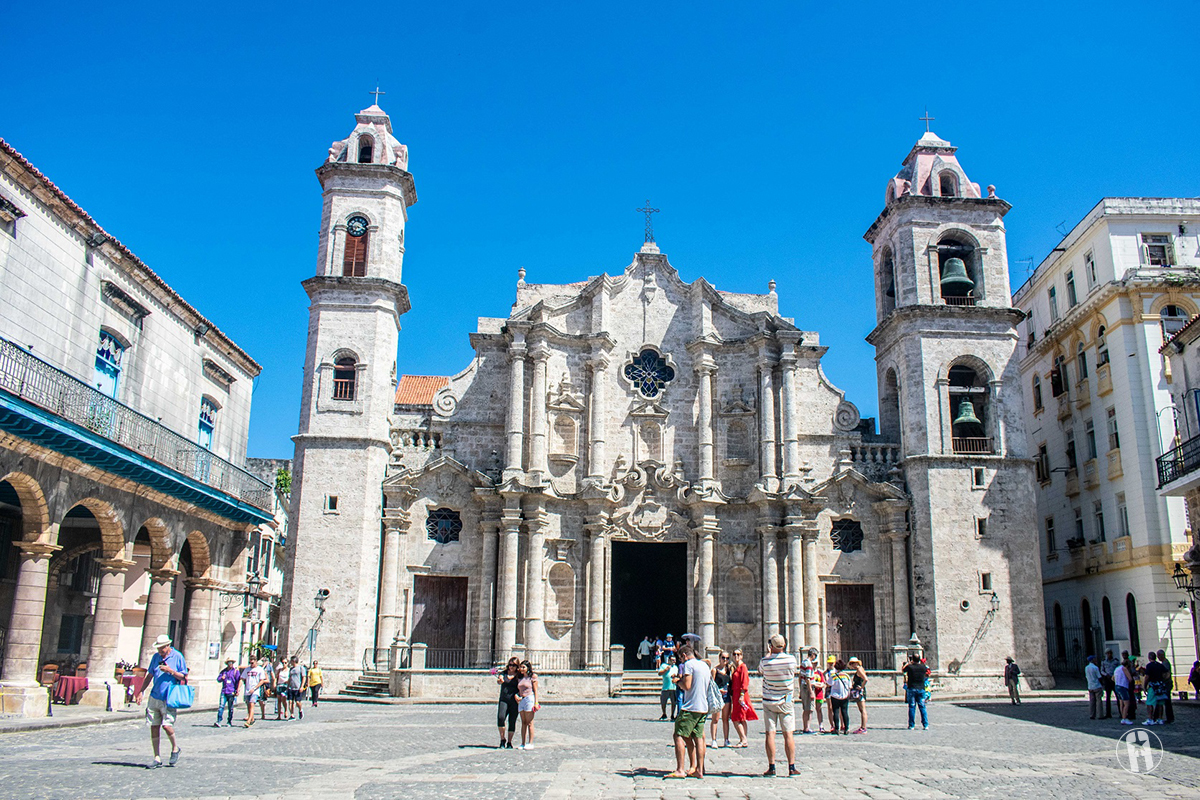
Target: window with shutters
x=1081 y=361
x=1089 y=436
x=1037 y=393
x=1052 y=296
x=1114 y=437
x=1101 y=347
x=1157 y=248
x=354 y=262
x=1173 y=318
x=1042 y=464
x=1089 y=267
x=1072 y=296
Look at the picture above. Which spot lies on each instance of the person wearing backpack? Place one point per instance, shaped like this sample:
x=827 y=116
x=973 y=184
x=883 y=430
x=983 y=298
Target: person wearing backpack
x=1012 y=679
x=840 y=683
x=915 y=674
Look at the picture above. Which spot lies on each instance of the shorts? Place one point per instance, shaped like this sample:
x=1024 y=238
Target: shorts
x=779 y=714
x=294 y=694
x=806 y=697
x=1122 y=693
x=525 y=703
x=666 y=696
x=253 y=697
x=690 y=724
x=159 y=713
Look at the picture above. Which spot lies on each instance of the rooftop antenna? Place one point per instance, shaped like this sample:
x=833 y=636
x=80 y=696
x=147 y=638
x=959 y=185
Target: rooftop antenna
x=1059 y=227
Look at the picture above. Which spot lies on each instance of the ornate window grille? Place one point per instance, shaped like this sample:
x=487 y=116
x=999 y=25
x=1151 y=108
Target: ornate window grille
x=443 y=525
x=649 y=372
x=847 y=535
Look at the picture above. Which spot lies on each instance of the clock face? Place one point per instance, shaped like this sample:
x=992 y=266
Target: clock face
x=357 y=226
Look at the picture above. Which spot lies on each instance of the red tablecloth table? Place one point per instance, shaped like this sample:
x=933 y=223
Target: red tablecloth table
x=67 y=686
x=131 y=683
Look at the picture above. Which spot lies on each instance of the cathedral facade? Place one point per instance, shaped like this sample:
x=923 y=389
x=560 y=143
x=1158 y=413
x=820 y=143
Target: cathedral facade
x=636 y=454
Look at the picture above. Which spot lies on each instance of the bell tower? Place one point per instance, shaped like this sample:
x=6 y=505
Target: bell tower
x=950 y=394
x=343 y=446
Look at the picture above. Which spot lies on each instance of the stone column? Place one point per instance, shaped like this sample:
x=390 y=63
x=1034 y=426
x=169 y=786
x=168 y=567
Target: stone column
x=894 y=528
x=535 y=587
x=597 y=572
x=705 y=373
x=489 y=528
x=389 y=585
x=23 y=642
x=158 y=611
x=706 y=532
x=106 y=622
x=812 y=586
x=770 y=469
x=768 y=533
x=791 y=440
x=199 y=623
x=538 y=464
x=795 y=635
x=596 y=463
x=506 y=578
x=514 y=428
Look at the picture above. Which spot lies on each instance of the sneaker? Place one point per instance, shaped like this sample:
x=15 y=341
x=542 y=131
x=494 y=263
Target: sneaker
x=925 y=728
x=792 y=771
x=663 y=717
x=302 y=713
x=501 y=744
x=217 y=724
x=155 y=764
x=861 y=730
x=770 y=773
x=912 y=727
x=529 y=746
x=727 y=743
x=174 y=758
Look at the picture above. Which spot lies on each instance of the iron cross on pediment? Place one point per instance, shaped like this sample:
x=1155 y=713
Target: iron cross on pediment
x=647 y=210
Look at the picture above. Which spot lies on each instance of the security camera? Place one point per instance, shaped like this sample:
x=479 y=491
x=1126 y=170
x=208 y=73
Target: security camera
x=322 y=593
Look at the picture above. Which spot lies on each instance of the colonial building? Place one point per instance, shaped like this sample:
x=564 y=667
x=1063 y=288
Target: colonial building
x=123 y=419
x=1098 y=414
x=638 y=454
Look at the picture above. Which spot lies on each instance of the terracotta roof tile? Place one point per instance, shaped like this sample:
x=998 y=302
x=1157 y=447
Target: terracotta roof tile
x=1188 y=326
x=418 y=390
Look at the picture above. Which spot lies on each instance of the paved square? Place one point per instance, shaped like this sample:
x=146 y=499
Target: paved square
x=973 y=750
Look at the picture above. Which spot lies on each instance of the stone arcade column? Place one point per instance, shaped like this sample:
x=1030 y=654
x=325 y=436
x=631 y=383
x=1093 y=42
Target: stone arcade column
x=791 y=439
x=106 y=622
x=597 y=572
x=766 y=383
x=196 y=633
x=489 y=527
x=769 y=535
x=894 y=528
x=23 y=642
x=706 y=371
x=600 y=364
x=812 y=586
x=506 y=578
x=795 y=635
x=539 y=467
x=535 y=587
x=158 y=611
x=514 y=428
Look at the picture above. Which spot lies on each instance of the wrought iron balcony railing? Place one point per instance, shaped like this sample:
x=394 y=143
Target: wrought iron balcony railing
x=46 y=386
x=1176 y=463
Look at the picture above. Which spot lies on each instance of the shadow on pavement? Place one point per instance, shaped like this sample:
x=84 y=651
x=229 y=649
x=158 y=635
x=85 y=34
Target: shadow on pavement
x=1178 y=737
x=479 y=747
x=140 y=765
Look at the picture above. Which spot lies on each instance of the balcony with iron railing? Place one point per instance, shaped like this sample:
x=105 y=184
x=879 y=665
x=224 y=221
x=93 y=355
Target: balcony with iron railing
x=1179 y=462
x=57 y=397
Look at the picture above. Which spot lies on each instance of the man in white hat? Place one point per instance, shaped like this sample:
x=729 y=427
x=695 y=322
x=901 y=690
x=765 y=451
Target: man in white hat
x=167 y=668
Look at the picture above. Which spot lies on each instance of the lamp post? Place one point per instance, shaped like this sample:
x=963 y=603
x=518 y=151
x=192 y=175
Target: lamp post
x=254 y=585
x=1187 y=583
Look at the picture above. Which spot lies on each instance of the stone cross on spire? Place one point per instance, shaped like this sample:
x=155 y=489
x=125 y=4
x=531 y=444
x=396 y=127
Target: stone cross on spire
x=649 y=220
x=376 y=93
x=927 y=119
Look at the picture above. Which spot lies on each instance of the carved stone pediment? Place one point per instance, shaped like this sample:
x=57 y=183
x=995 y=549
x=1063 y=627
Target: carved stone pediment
x=650 y=497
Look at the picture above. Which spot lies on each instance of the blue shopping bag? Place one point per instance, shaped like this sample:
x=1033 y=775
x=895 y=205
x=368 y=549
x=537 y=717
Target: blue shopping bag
x=181 y=695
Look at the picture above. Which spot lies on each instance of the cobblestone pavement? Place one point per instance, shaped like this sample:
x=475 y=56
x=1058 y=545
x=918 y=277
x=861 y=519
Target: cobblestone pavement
x=972 y=750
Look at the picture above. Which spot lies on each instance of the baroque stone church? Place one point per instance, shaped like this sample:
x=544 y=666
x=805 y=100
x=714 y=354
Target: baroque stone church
x=636 y=454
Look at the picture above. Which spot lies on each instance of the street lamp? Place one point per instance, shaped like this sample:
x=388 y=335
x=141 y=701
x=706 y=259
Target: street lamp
x=1185 y=582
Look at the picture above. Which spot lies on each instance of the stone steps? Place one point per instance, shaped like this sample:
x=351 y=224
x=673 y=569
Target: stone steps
x=369 y=684
x=640 y=684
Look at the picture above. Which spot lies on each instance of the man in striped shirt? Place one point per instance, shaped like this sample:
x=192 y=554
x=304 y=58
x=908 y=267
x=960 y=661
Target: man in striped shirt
x=778 y=671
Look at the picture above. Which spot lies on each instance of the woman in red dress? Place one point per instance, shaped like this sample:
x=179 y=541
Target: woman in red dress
x=739 y=698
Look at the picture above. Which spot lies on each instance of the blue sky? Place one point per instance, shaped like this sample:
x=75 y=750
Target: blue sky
x=765 y=134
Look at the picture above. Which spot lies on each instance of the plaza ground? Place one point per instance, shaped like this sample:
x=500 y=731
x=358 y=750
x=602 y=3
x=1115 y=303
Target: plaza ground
x=980 y=749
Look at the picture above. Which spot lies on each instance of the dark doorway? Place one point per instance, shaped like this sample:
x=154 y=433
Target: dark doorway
x=440 y=619
x=649 y=594
x=850 y=622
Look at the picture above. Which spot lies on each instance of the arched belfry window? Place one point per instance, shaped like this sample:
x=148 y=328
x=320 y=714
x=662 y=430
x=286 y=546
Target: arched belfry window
x=345 y=378
x=948 y=184
x=354 y=262
x=958 y=268
x=887 y=279
x=366 y=149
x=967 y=391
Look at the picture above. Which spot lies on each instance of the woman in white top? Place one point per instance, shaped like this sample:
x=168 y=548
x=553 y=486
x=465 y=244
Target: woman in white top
x=1123 y=679
x=527 y=702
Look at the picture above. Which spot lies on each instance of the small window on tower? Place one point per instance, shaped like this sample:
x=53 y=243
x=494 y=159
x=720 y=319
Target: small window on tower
x=345 y=378
x=985 y=581
x=331 y=503
x=948 y=184
x=366 y=147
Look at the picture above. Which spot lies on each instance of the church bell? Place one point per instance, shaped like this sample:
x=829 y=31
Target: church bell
x=966 y=412
x=954 y=277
